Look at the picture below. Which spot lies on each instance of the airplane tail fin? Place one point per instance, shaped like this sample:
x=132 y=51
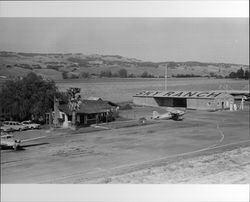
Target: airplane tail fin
x=155 y=114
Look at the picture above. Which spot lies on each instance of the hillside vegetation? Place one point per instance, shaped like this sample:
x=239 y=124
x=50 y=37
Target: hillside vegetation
x=78 y=65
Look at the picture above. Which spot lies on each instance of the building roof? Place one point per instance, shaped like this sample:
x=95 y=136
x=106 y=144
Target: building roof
x=94 y=98
x=100 y=99
x=88 y=107
x=183 y=94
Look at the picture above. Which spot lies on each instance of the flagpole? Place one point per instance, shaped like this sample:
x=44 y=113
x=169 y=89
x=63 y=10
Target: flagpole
x=166 y=76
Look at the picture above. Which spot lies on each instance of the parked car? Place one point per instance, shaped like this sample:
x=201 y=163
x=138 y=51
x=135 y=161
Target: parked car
x=14 y=126
x=31 y=125
x=5 y=129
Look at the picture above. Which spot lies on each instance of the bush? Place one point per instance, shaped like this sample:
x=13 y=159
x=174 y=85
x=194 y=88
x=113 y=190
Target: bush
x=106 y=73
x=131 y=76
x=147 y=75
x=64 y=75
x=125 y=107
x=123 y=73
x=85 y=75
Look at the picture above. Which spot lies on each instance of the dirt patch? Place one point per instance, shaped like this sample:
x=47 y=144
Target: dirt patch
x=227 y=167
x=77 y=151
x=200 y=137
x=131 y=133
x=115 y=140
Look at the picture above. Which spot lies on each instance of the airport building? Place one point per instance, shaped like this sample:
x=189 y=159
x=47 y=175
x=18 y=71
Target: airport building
x=202 y=100
x=91 y=111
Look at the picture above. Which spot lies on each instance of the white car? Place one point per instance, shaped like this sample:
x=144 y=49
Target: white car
x=5 y=129
x=9 y=141
x=14 y=126
x=31 y=125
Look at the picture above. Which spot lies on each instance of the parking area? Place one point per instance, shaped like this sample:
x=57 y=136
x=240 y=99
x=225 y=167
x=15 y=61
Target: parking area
x=65 y=157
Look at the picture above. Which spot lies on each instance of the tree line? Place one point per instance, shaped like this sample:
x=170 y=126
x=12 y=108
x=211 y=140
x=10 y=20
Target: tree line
x=186 y=75
x=28 y=98
x=239 y=74
x=122 y=73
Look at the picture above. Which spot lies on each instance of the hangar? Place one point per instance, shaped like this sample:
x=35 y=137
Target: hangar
x=203 y=100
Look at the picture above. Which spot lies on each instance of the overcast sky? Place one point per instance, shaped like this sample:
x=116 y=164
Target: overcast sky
x=151 y=39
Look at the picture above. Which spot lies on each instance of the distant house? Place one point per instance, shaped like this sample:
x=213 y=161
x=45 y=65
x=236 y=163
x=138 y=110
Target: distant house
x=90 y=112
x=94 y=98
x=95 y=62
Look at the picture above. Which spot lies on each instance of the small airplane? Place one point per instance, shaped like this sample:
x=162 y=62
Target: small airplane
x=8 y=141
x=171 y=113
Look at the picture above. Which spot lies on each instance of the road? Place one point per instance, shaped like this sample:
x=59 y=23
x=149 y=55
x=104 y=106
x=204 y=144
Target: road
x=77 y=158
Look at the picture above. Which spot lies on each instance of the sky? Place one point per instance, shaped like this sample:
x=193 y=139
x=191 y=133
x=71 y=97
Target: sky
x=150 y=39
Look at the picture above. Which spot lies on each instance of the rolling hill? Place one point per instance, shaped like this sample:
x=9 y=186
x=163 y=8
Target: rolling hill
x=74 y=65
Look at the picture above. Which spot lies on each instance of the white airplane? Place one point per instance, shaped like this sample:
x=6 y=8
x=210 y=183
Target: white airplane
x=8 y=141
x=164 y=116
x=171 y=113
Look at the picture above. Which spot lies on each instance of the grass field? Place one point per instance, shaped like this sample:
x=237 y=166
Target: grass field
x=120 y=90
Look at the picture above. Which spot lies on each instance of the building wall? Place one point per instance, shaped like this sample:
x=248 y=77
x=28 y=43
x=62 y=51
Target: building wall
x=224 y=103
x=202 y=104
x=192 y=103
x=209 y=104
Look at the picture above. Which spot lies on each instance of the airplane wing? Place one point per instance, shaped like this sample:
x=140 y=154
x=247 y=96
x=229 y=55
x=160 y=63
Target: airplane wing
x=31 y=139
x=175 y=111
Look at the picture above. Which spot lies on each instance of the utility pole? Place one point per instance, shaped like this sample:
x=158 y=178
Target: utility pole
x=166 y=76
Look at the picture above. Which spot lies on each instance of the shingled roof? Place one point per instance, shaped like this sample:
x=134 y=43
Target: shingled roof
x=88 y=107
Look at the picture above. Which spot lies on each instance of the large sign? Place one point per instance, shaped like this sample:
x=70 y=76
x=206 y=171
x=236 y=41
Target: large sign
x=179 y=94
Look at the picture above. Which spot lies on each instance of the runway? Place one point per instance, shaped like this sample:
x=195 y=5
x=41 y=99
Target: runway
x=81 y=158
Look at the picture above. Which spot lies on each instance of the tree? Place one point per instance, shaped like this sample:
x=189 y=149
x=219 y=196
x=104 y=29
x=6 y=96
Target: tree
x=247 y=74
x=123 y=73
x=106 y=73
x=232 y=75
x=240 y=73
x=144 y=74
x=74 y=102
x=171 y=65
x=131 y=75
x=212 y=74
x=28 y=97
x=64 y=75
x=85 y=75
